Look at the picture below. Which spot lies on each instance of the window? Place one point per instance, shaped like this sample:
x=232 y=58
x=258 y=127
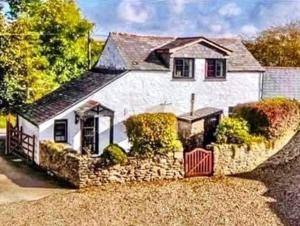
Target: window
x=215 y=68
x=61 y=131
x=183 y=68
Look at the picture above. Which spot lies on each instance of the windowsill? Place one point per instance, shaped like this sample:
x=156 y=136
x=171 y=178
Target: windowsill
x=215 y=79
x=183 y=79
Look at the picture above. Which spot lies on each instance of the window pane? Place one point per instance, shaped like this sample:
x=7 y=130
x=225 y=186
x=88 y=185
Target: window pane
x=186 y=68
x=211 y=68
x=60 y=131
x=183 y=68
x=179 y=70
x=219 y=68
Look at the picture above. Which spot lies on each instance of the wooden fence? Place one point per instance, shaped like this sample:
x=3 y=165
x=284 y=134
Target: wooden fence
x=19 y=142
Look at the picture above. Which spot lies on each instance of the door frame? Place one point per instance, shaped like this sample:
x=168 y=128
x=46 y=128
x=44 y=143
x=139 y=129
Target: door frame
x=96 y=133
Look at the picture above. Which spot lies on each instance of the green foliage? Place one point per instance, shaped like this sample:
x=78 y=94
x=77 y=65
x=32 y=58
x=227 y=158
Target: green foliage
x=235 y=131
x=44 y=46
x=2 y=121
x=153 y=133
x=270 y=118
x=277 y=46
x=114 y=154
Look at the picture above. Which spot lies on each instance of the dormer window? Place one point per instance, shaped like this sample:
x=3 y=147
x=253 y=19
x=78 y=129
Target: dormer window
x=183 y=68
x=215 y=68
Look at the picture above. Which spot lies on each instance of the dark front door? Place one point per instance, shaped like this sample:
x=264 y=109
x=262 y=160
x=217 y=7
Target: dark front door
x=90 y=136
x=210 y=127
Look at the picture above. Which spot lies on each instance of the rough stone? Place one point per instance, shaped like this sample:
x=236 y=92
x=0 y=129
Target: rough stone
x=83 y=171
x=232 y=159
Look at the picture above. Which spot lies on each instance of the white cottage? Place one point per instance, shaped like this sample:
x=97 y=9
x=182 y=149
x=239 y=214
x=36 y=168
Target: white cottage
x=137 y=74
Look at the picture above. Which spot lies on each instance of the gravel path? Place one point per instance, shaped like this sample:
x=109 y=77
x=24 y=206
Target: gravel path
x=227 y=201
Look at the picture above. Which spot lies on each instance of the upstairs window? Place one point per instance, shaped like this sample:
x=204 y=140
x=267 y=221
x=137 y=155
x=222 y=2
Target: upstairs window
x=215 y=68
x=183 y=68
x=61 y=131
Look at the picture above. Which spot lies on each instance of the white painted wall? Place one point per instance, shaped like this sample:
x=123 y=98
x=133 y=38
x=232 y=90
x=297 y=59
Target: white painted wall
x=138 y=91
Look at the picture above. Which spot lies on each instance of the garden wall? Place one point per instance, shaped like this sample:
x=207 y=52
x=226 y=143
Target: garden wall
x=83 y=170
x=232 y=159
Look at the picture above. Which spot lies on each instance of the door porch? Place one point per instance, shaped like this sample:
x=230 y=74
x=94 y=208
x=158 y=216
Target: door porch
x=89 y=115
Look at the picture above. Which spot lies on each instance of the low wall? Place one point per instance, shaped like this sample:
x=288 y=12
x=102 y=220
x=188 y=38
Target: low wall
x=232 y=159
x=84 y=170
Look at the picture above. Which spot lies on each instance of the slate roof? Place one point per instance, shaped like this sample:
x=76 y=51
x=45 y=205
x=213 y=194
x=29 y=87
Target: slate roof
x=281 y=81
x=183 y=41
x=68 y=95
x=139 y=51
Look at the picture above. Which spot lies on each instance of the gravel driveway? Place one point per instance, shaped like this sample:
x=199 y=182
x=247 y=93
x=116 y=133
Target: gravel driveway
x=19 y=182
x=270 y=195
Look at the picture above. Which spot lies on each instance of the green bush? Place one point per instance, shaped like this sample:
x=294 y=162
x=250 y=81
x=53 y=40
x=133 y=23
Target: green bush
x=153 y=133
x=114 y=154
x=3 y=119
x=270 y=117
x=235 y=131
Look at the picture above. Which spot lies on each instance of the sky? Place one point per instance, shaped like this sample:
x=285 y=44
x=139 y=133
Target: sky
x=189 y=17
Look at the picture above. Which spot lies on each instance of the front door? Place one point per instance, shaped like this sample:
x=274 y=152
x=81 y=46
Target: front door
x=210 y=127
x=90 y=135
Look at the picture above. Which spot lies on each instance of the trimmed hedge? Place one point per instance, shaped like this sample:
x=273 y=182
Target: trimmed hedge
x=114 y=154
x=270 y=118
x=153 y=133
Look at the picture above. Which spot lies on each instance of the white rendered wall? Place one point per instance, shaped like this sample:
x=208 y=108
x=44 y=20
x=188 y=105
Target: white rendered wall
x=138 y=91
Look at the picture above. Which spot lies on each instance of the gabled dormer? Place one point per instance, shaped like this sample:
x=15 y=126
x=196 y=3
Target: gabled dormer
x=180 y=56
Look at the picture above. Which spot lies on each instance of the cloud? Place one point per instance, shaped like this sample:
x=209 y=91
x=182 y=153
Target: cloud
x=276 y=13
x=249 y=30
x=134 y=11
x=177 y=6
x=230 y=10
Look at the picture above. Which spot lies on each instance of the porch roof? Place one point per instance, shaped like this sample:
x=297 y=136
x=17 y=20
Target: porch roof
x=200 y=114
x=93 y=106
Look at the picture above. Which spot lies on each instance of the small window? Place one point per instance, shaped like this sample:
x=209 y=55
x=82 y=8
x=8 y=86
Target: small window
x=183 y=68
x=215 y=68
x=61 y=131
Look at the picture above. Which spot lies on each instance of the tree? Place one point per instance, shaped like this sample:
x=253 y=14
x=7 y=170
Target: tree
x=23 y=77
x=43 y=44
x=277 y=46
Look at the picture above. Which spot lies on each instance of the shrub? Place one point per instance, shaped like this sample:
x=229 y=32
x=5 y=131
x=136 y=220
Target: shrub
x=235 y=131
x=270 y=117
x=153 y=133
x=3 y=119
x=114 y=154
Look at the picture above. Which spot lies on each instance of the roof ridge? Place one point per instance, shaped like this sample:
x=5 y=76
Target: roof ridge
x=282 y=67
x=141 y=35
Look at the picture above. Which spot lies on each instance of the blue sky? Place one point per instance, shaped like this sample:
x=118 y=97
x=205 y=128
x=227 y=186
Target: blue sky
x=189 y=17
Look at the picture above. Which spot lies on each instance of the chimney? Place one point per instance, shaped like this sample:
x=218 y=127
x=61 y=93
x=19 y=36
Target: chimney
x=192 y=103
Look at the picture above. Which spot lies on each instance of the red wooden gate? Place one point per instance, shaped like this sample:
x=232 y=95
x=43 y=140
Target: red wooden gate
x=198 y=162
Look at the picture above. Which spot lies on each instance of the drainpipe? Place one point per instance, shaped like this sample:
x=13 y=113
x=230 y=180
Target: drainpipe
x=192 y=104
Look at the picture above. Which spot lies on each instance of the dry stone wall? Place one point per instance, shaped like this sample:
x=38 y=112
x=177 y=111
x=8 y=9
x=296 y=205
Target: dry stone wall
x=83 y=170
x=232 y=159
